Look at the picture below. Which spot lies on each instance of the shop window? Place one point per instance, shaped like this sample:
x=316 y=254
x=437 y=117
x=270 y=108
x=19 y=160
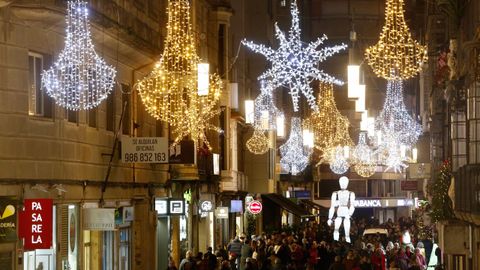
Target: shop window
x=39 y=103
x=124 y=253
x=43 y=258
x=107 y=251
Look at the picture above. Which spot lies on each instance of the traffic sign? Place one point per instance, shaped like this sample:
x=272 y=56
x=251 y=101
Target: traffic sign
x=255 y=207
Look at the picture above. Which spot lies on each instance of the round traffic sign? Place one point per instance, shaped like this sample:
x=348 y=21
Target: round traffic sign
x=255 y=207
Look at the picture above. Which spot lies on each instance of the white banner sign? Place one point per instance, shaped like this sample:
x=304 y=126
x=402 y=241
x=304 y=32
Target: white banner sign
x=145 y=150
x=99 y=219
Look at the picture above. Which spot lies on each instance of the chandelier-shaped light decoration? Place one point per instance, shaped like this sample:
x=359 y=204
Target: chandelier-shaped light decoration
x=363 y=158
x=266 y=112
x=170 y=91
x=294 y=65
x=294 y=156
x=328 y=125
x=389 y=153
x=338 y=161
x=394 y=119
x=396 y=56
x=258 y=144
x=79 y=79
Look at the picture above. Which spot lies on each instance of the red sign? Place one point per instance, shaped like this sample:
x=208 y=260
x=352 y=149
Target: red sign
x=409 y=185
x=255 y=207
x=36 y=224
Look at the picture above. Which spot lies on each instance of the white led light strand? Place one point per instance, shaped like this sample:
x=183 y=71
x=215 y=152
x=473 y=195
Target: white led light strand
x=266 y=112
x=294 y=156
x=337 y=160
x=363 y=158
x=79 y=79
x=394 y=119
x=294 y=66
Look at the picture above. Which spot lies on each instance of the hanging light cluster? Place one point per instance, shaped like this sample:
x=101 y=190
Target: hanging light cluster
x=364 y=157
x=338 y=160
x=396 y=56
x=294 y=155
x=179 y=90
x=394 y=118
x=294 y=65
x=258 y=144
x=328 y=125
x=395 y=130
x=265 y=111
x=79 y=79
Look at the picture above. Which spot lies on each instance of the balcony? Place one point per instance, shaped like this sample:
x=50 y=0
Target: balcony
x=467 y=193
x=233 y=181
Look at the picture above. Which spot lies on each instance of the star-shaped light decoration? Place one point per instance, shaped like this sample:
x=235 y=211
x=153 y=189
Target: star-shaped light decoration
x=294 y=155
x=294 y=65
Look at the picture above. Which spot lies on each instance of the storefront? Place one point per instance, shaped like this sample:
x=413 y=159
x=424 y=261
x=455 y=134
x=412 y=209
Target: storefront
x=172 y=229
x=380 y=208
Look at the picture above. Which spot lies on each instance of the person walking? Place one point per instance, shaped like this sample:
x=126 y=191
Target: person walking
x=188 y=263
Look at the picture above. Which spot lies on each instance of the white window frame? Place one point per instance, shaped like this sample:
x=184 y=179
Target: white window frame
x=34 y=88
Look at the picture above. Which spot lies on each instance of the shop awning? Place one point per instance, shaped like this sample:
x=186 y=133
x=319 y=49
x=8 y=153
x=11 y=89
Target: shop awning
x=287 y=204
x=312 y=205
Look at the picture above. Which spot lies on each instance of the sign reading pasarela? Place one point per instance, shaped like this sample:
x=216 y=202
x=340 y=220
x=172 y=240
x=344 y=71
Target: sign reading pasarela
x=37 y=224
x=255 y=207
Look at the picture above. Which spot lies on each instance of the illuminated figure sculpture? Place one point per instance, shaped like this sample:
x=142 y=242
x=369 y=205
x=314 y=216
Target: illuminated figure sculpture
x=343 y=200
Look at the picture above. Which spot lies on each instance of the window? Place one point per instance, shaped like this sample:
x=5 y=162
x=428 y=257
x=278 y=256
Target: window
x=72 y=116
x=39 y=103
x=221 y=49
x=92 y=117
x=108 y=247
x=124 y=256
x=126 y=123
x=158 y=128
x=111 y=112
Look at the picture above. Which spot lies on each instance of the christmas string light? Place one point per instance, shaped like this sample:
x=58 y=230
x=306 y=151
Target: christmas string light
x=329 y=126
x=337 y=160
x=389 y=152
x=258 y=144
x=79 y=79
x=294 y=156
x=294 y=65
x=394 y=119
x=265 y=109
x=396 y=56
x=170 y=91
x=363 y=158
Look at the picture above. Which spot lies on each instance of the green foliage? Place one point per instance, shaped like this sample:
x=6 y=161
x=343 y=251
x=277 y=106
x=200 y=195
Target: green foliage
x=442 y=207
x=251 y=224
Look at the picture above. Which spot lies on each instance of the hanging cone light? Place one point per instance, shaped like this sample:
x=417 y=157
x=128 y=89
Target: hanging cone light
x=396 y=56
x=328 y=125
x=174 y=92
x=79 y=79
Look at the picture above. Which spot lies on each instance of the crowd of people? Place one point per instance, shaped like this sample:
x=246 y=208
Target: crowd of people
x=312 y=247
